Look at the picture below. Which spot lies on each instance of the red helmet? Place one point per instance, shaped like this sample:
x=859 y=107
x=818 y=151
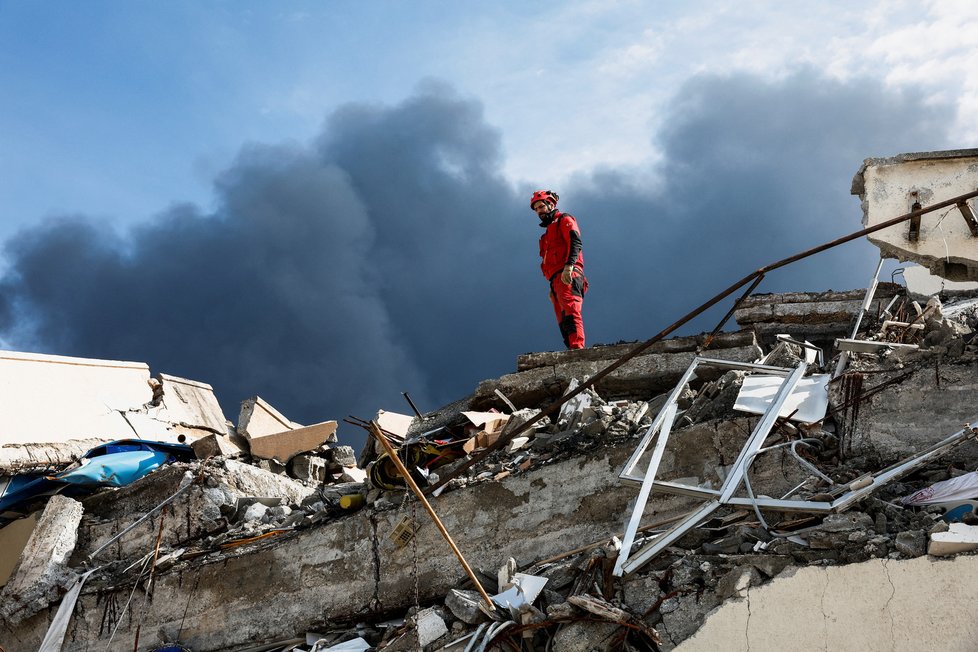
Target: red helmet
x=544 y=195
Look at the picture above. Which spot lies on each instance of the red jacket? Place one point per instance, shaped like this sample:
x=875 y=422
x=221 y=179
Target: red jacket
x=560 y=245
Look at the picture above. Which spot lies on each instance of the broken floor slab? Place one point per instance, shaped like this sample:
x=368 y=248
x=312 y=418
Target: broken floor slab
x=214 y=445
x=817 y=316
x=882 y=604
x=271 y=435
x=641 y=377
x=601 y=353
x=946 y=242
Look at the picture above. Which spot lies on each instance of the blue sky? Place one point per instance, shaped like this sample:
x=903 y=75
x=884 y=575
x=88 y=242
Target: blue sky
x=118 y=109
x=130 y=124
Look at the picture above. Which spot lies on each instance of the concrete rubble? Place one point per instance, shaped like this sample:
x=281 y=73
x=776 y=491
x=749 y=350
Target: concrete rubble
x=945 y=242
x=271 y=536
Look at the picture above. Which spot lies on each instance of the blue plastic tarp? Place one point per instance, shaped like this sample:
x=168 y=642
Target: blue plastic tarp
x=114 y=469
x=115 y=464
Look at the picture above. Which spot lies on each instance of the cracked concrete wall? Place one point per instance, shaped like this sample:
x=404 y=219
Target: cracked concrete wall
x=933 y=402
x=349 y=567
x=945 y=244
x=53 y=398
x=884 y=605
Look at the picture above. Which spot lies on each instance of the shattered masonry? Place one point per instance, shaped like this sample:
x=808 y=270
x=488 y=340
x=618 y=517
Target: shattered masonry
x=270 y=535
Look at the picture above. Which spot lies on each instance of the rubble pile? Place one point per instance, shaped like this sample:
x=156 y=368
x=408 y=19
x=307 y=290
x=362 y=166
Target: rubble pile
x=685 y=493
x=252 y=498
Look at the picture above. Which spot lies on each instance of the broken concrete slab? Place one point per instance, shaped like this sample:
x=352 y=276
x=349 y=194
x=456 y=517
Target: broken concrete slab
x=195 y=513
x=600 y=353
x=430 y=626
x=351 y=474
x=342 y=455
x=643 y=376
x=25 y=458
x=42 y=574
x=191 y=403
x=817 y=316
x=56 y=408
x=309 y=468
x=214 y=445
x=921 y=284
x=490 y=422
x=911 y=543
x=258 y=418
x=394 y=423
x=464 y=605
x=737 y=581
x=286 y=444
x=944 y=242
x=958 y=538
x=586 y=636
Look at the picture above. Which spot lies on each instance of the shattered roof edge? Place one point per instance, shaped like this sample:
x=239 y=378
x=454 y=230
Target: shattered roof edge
x=21 y=356
x=858 y=183
x=184 y=381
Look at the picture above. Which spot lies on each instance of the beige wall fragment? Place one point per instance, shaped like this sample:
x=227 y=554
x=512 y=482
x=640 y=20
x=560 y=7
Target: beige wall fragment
x=258 y=417
x=283 y=445
x=53 y=398
x=191 y=403
x=879 y=605
x=945 y=243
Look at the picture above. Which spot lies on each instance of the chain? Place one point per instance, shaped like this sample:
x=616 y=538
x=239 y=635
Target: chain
x=414 y=538
x=414 y=551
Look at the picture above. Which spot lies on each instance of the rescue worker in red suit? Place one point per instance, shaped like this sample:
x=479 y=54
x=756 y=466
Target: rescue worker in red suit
x=562 y=262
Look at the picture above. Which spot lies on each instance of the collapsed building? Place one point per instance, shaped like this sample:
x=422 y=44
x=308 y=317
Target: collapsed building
x=805 y=480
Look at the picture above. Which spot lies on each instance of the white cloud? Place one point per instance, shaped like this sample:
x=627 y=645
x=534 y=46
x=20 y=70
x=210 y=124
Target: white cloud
x=610 y=68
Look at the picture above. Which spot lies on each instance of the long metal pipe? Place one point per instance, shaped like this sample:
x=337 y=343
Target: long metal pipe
x=431 y=512
x=550 y=409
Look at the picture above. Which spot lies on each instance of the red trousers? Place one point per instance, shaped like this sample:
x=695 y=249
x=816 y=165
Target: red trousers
x=567 y=301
